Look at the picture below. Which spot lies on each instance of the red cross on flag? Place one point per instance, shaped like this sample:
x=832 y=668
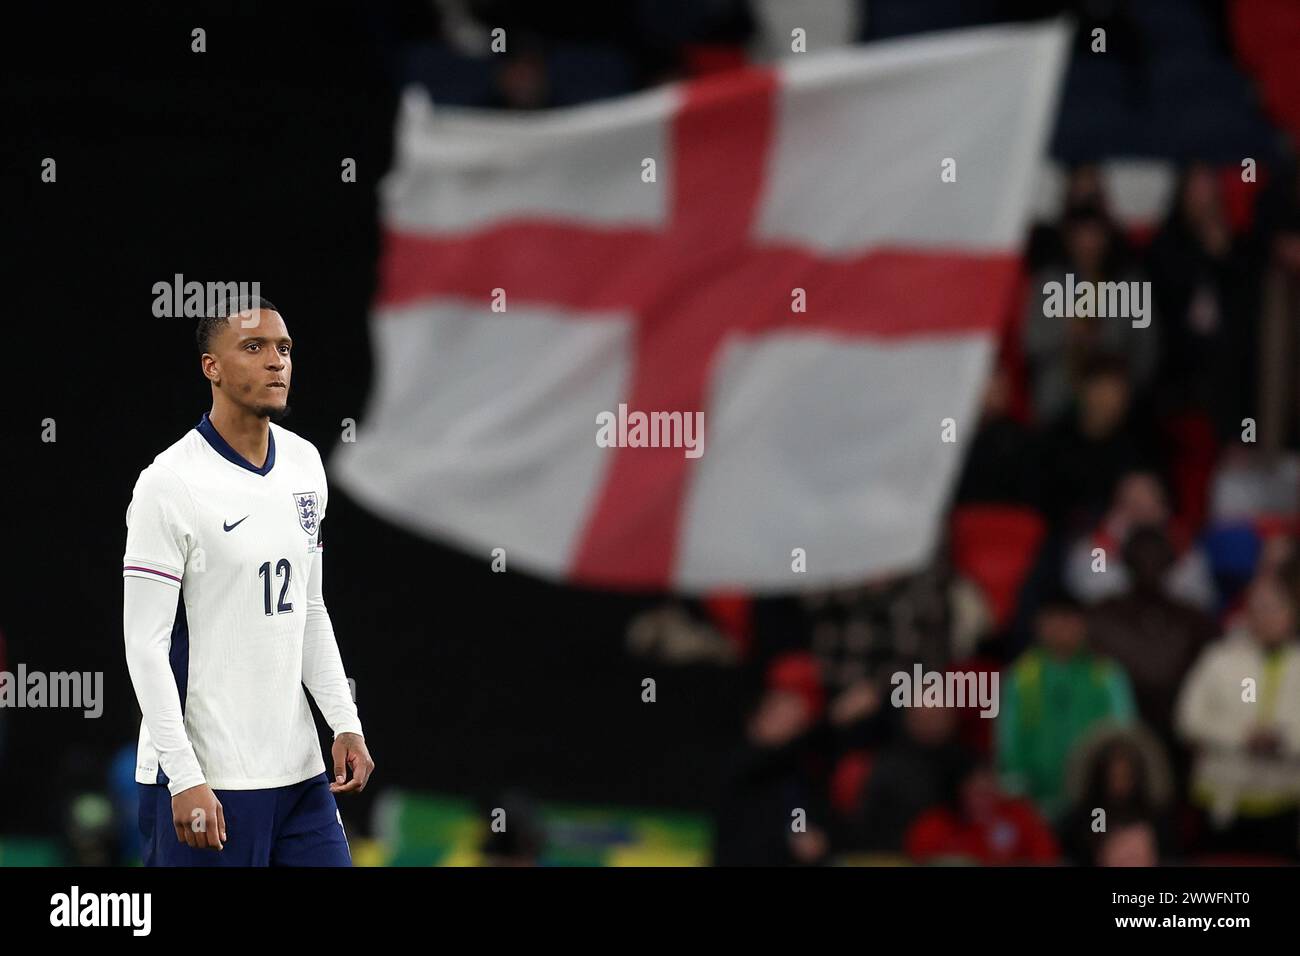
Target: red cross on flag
x=813 y=268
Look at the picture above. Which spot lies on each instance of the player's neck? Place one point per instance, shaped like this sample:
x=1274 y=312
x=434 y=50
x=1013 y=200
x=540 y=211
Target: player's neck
x=245 y=432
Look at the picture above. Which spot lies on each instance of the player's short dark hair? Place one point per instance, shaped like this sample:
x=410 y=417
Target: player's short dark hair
x=210 y=325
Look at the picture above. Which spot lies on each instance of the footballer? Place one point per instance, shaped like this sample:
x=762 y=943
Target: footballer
x=226 y=629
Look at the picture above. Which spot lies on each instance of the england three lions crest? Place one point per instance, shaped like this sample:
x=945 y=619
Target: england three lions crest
x=308 y=505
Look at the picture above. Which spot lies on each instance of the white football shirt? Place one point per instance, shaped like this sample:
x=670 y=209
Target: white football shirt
x=242 y=545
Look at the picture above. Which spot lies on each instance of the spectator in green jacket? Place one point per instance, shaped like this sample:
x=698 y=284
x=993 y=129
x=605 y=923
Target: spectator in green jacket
x=1053 y=695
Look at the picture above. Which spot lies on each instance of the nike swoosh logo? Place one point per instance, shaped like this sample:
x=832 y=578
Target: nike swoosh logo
x=232 y=527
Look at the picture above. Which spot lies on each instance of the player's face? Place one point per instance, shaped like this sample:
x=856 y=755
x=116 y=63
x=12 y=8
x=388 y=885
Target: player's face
x=255 y=362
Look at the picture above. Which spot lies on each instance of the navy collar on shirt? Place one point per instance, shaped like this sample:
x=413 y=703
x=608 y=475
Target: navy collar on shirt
x=209 y=431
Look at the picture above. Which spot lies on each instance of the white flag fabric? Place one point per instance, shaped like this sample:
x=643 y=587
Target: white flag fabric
x=811 y=260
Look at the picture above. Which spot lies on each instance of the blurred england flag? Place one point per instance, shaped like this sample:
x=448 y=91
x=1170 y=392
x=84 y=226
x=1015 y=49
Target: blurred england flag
x=816 y=256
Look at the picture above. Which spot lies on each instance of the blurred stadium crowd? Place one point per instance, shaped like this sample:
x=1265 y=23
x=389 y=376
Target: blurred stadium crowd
x=1118 y=680
x=1171 y=448
x=1094 y=435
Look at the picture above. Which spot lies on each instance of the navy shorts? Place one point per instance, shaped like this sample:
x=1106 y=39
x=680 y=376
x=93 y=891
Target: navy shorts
x=297 y=825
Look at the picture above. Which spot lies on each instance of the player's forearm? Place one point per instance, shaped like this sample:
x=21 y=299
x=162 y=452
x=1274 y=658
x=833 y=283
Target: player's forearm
x=322 y=666
x=323 y=674
x=148 y=613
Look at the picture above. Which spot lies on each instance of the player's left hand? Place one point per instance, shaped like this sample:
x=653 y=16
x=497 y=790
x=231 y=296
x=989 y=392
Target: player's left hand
x=350 y=752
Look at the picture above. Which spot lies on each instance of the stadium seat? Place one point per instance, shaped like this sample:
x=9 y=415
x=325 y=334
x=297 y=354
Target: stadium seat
x=1269 y=526
x=732 y=613
x=1233 y=550
x=995 y=545
x=848 y=781
x=1195 y=448
x=1265 y=34
x=1239 y=197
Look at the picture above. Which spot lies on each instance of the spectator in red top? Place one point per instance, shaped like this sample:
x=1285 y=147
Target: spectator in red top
x=982 y=825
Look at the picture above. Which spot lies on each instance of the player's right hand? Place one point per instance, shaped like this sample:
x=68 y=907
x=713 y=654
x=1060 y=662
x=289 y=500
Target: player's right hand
x=199 y=819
